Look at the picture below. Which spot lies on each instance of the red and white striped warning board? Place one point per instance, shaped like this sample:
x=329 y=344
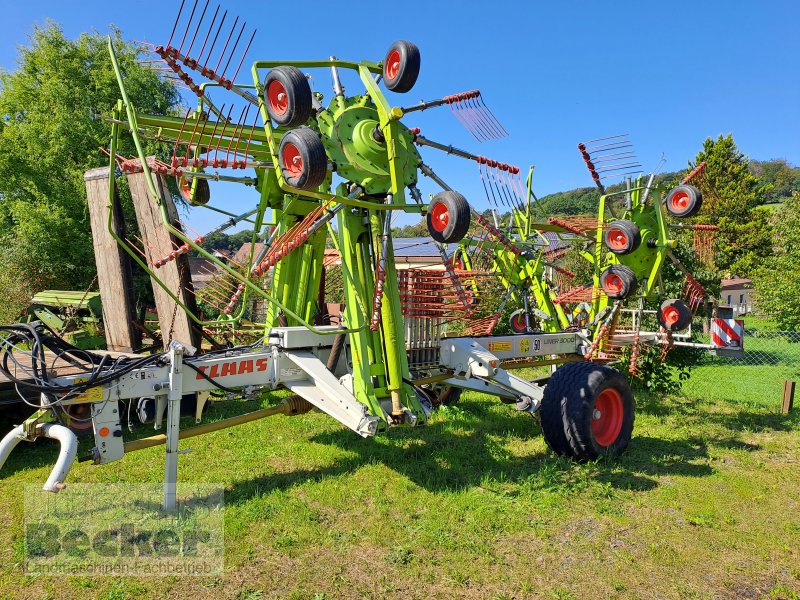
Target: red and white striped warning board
x=727 y=333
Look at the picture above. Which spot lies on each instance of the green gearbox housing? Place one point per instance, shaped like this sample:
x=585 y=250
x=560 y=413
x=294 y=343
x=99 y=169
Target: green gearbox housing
x=352 y=137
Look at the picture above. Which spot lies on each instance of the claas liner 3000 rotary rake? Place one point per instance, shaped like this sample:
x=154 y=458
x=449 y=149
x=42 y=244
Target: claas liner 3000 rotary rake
x=335 y=174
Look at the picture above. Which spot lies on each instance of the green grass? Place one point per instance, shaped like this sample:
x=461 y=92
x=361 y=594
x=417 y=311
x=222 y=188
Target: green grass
x=705 y=503
x=756 y=378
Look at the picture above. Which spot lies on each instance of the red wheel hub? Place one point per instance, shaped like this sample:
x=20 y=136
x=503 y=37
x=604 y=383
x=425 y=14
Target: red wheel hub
x=617 y=239
x=518 y=323
x=186 y=189
x=277 y=97
x=679 y=201
x=440 y=217
x=607 y=417
x=671 y=315
x=392 y=64
x=292 y=161
x=613 y=283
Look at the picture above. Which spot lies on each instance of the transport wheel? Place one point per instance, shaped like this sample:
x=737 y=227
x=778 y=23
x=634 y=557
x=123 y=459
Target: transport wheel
x=80 y=419
x=302 y=159
x=674 y=315
x=622 y=236
x=287 y=96
x=618 y=281
x=401 y=66
x=202 y=191
x=517 y=321
x=448 y=217
x=684 y=201
x=447 y=395
x=587 y=411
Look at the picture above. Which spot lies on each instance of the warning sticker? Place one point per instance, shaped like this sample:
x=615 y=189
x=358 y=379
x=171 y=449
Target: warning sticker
x=499 y=347
x=94 y=393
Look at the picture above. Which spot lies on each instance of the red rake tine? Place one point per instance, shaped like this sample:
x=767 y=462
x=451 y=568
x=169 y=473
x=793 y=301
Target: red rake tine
x=475 y=117
x=246 y=50
x=483 y=118
x=208 y=35
x=237 y=132
x=216 y=36
x=178 y=139
x=474 y=125
x=188 y=26
x=197 y=30
x=233 y=50
x=175 y=25
x=493 y=116
x=454 y=108
x=225 y=47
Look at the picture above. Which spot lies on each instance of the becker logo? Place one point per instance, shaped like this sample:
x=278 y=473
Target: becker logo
x=234 y=368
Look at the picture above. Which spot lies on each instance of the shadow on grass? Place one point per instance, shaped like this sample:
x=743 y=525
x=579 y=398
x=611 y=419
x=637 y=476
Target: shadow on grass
x=464 y=453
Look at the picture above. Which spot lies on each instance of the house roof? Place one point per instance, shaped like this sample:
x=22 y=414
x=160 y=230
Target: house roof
x=736 y=283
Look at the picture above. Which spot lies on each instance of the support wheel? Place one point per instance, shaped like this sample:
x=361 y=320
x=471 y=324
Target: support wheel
x=587 y=411
x=618 y=282
x=302 y=159
x=448 y=217
x=287 y=96
x=684 y=201
x=674 y=315
x=517 y=322
x=446 y=395
x=401 y=66
x=622 y=236
x=201 y=194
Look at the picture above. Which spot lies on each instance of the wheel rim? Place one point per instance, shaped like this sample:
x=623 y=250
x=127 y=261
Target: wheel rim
x=440 y=217
x=679 y=201
x=82 y=412
x=613 y=283
x=607 y=417
x=671 y=316
x=518 y=323
x=186 y=189
x=392 y=64
x=277 y=97
x=292 y=161
x=617 y=239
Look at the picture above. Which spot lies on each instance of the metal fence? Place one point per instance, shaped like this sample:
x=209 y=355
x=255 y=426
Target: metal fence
x=770 y=358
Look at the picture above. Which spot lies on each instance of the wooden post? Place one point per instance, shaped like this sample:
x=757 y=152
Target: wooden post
x=175 y=324
x=113 y=267
x=788 y=397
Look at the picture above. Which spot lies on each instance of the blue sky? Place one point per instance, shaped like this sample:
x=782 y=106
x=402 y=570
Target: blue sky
x=670 y=73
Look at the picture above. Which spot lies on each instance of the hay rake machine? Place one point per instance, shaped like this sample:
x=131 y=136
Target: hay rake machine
x=334 y=174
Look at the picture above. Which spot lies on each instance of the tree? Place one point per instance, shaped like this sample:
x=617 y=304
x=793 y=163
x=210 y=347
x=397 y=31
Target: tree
x=49 y=135
x=732 y=196
x=778 y=284
x=783 y=177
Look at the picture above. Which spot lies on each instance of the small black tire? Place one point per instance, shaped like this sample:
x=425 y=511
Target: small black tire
x=517 y=322
x=200 y=195
x=287 y=96
x=587 y=411
x=447 y=396
x=622 y=236
x=684 y=201
x=448 y=217
x=302 y=159
x=618 y=282
x=401 y=66
x=674 y=315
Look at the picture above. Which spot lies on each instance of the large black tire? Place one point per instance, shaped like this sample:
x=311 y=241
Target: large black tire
x=618 y=282
x=448 y=217
x=201 y=194
x=287 y=96
x=401 y=66
x=622 y=236
x=684 y=201
x=302 y=159
x=587 y=411
x=674 y=315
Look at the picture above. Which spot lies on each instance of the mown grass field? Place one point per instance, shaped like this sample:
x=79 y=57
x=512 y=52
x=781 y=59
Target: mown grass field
x=706 y=503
